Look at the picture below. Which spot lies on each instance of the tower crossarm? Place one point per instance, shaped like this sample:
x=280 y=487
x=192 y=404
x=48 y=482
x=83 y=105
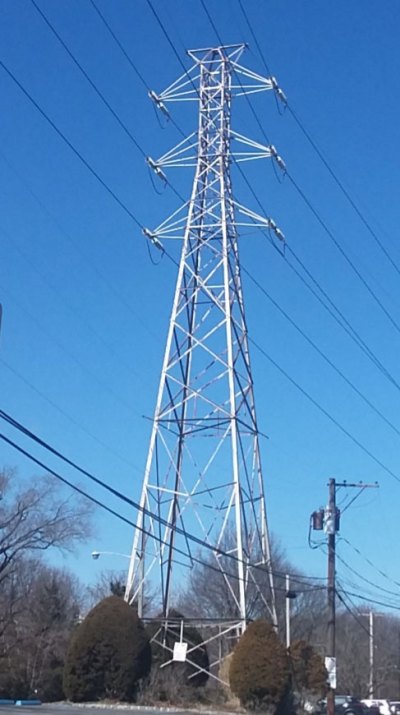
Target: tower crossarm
x=185 y=154
x=174 y=228
x=243 y=80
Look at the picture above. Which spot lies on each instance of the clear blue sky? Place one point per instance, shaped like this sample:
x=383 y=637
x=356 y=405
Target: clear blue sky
x=86 y=311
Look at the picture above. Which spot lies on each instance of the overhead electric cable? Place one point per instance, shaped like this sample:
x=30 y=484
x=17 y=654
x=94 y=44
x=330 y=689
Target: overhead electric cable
x=76 y=313
x=366 y=580
x=325 y=412
x=319 y=152
x=119 y=495
x=370 y=563
x=356 y=618
x=68 y=416
x=370 y=600
x=308 y=203
x=359 y=341
x=120 y=45
x=167 y=37
x=322 y=409
x=105 y=386
x=371 y=355
x=70 y=145
x=345 y=192
x=96 y=89
x=353 y=499
x=344 y=253
x=356 y=337
x=130 y=61
x=254 y=37
x=378 y=364
x=329 y=306
x=85 y=74
x=78 y=247
x=320 y=352
x=101 y=504
x=125 y=208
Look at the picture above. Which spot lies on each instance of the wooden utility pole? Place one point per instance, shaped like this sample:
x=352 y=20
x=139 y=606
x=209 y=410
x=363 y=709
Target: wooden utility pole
x=328 y=520
x=331 y=634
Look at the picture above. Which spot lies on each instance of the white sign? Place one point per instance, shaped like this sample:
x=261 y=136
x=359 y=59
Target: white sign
x=180 y=650
x=330 y=665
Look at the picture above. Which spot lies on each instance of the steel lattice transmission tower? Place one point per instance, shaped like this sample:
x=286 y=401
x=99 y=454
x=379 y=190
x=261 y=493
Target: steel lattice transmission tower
x=203 y=473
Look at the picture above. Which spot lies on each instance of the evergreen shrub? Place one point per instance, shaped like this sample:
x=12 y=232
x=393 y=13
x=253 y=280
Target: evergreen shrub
x=108 y=654
x=259 y=672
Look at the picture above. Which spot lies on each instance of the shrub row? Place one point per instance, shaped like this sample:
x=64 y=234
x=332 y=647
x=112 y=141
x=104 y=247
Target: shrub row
x=110 y=655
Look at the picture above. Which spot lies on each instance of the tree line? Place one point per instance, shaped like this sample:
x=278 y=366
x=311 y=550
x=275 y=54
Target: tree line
x=42 y=607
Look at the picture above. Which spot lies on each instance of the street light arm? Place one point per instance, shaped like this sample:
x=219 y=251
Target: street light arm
x=96 y=554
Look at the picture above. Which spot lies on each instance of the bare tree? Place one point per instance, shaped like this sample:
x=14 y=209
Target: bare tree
x=109 y=582
x=353 y=653
x=46 y=607
x=37 y=516
x=208 y=594
x=34 y=517
x=309 y=613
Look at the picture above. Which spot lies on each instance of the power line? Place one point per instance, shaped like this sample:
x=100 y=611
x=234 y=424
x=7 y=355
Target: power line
x=344 y=191
x=356 y=337
x=356 y=618
x=331 y=235
x=167 y=37
x=366 y=580
x=85 y=74
x=105 y=386
x=77 y=246
x=344 y=253
x=308 y=203
x=370 y=563
x=254 y=37
x=76 y=313
x=319 y=152
x=329 y=306
x=349 y=329
x=70 y=145
x=320 y=352
x=101 y=504
x=130 y=61
x=366 y=594
x=121 y=47
x=68 y=416
x=127 y=210
x=325 y=412
x=215 y=550
x=318 y=405
x=95 y=88
x=370 y=600
x=313 y=344
x=365 y=590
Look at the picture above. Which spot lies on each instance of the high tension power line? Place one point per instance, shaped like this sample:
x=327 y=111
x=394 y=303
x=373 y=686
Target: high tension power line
x=203 y=469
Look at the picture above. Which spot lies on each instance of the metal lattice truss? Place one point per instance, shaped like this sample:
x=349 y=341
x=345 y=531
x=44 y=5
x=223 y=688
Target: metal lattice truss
x=203 y=472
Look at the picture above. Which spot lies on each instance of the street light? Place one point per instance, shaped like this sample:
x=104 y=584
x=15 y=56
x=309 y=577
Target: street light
x=96 y=554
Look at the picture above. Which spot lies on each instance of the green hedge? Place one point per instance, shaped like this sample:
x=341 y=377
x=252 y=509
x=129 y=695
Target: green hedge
x=108 y=654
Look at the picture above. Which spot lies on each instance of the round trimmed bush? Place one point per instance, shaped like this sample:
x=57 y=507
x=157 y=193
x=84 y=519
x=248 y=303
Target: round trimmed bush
x=108 y=654
x=259 y=673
